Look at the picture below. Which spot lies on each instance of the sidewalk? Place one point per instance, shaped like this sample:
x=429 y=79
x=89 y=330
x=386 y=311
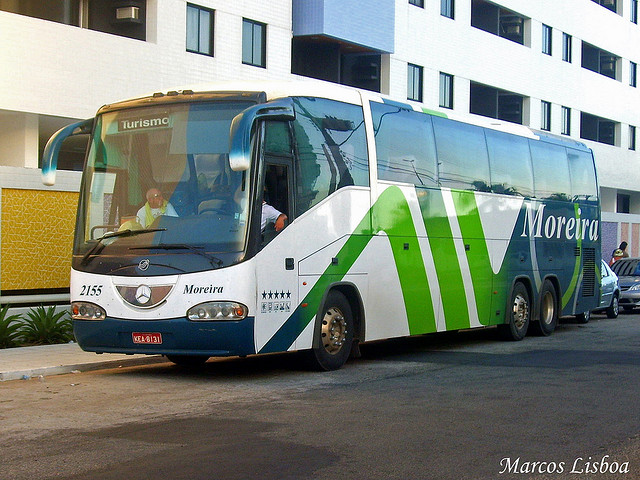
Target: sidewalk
x=27 y=362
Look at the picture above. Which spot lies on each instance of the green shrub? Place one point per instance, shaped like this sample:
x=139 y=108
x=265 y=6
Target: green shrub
x=46 y=327
x=9 y=328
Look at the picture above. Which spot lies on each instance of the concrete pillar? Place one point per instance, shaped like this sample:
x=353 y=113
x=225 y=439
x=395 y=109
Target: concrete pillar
x=19 y=139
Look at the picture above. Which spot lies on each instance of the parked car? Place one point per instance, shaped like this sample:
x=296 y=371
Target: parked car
x=609 y=292
x=628 y=271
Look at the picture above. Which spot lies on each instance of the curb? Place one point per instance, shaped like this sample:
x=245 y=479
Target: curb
x=46 y=360
x=78 y=368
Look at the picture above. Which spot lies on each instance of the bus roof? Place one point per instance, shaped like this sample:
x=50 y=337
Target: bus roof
x=271 y=90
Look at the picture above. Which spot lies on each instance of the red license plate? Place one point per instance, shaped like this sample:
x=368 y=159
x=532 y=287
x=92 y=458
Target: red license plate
x=147 y=338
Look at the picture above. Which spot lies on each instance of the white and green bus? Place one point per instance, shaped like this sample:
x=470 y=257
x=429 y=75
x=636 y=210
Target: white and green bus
x=399 y=222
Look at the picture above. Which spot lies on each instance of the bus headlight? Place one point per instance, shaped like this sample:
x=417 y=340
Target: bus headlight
x=212 y=311
x=87 y=311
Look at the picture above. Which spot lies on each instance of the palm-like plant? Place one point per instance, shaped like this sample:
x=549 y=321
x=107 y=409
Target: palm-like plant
x=45 y=326
x=9 y=328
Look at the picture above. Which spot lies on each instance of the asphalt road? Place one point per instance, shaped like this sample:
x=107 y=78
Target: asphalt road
x=446 y=406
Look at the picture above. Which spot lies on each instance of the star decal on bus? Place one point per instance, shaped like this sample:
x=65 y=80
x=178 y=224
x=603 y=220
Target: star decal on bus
x=277 y=294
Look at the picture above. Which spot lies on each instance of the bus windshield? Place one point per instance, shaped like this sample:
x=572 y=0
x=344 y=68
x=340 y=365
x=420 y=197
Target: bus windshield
x=162 y=174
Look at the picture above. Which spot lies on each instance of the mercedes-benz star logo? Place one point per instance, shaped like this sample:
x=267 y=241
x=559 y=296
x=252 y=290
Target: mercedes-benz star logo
x=144 y=264
x=143 y=294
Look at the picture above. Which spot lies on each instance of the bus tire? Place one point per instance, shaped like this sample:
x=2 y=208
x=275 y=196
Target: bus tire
x=547 y=310
x=188 y=360
x=334 y=334
x=519 y=313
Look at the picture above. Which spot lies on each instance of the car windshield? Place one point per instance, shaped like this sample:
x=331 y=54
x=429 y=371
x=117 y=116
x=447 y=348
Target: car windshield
x=163 y=171
x=626 y=267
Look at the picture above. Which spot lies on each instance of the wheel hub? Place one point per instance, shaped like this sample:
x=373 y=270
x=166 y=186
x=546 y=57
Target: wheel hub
x=334 y=330
x=547 y=310
x=520 y=311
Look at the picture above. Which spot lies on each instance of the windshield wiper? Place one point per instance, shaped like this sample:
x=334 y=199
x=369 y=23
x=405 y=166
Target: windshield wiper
x=215 y=261
x=99 y=245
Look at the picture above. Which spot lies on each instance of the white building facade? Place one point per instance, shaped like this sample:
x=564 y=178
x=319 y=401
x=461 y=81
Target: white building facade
x=568 y=67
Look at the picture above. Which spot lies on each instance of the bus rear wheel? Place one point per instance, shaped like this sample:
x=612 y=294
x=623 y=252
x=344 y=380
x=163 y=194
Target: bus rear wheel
x=519 y=312
x=548 y=319
x=334 y=334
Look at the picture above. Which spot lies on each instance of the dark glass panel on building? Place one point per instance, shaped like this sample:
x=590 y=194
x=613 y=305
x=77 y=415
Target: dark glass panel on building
x=60 y=11
x=599 y=61
x=334 y=61
x=495 y=103
x=597 y=129
x=499 y=21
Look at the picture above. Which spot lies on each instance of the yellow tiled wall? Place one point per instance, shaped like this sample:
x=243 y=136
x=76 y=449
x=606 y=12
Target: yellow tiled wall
x=36 y=238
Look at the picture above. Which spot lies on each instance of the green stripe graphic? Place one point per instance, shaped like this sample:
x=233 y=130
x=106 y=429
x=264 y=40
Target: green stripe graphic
x=436 y=222
x=477 y=255
x=391 y=214
x=566 y=298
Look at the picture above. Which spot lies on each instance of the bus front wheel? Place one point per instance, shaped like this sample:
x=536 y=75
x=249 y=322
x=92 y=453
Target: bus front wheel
x=519 y=312
x=334 y=334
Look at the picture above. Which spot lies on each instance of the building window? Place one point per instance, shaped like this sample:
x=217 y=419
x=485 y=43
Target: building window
x=446 y=90
x=495 y=103
x=566 y=121
x=417 y=3
x=599 y=61
x=633 y=74
x=414 y=82
x=254 y=43
x=545 y=121
x=623 y=203
x=632 y=137
x=566 y=47
x=608 y=4
x=499 y=21
x=597 y=129
x=446 y=8
x=199 y=30
x=547 y=32
x=122 y=18
x=634 y=11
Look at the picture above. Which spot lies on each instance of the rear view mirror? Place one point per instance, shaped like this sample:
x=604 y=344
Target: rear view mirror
x=242 y=124
x=52 y=149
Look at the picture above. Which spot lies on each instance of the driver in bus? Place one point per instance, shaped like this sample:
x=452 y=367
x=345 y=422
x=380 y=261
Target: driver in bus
x=156 y=205
x=272 y=215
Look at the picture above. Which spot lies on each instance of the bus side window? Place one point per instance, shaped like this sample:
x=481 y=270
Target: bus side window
x=462 y=155
x=331 y=149
x=404 y=145
x=276 y=191
x=275 y=196
x=510 y=162
x=583 y=176
x=551 y=171
x=277 y=181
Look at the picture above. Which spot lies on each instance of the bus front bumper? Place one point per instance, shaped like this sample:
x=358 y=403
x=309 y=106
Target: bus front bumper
x=176 y=336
